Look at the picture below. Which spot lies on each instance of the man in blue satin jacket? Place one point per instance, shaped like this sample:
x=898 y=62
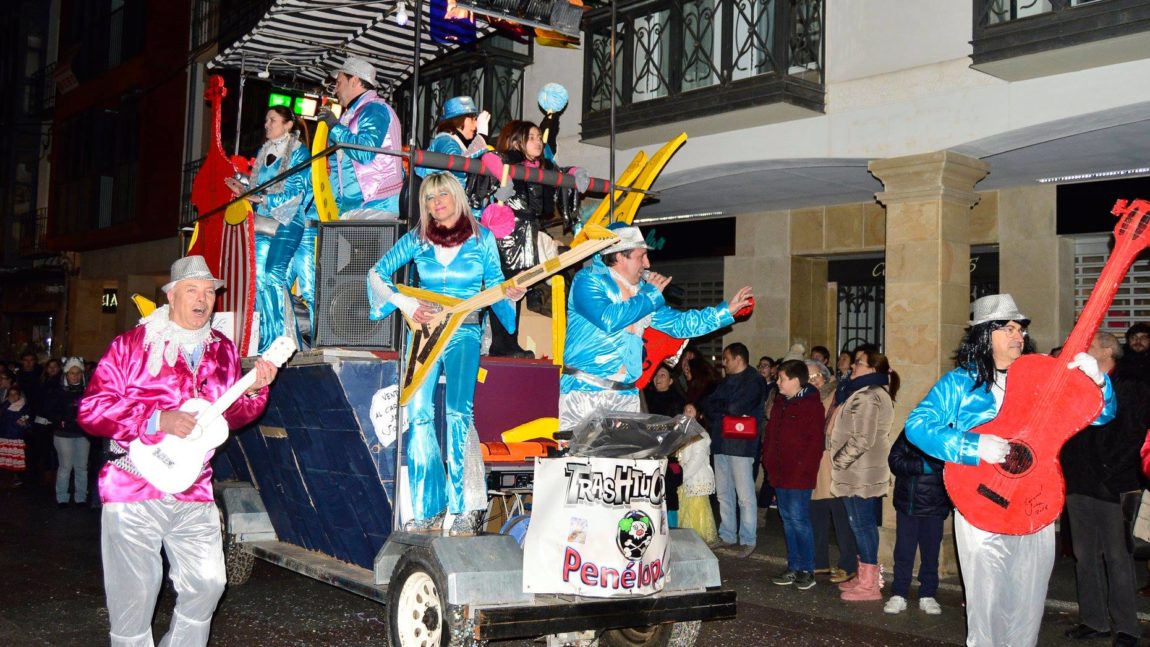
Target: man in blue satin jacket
x=366 y=184
x=610 y=304
x=1005 y=575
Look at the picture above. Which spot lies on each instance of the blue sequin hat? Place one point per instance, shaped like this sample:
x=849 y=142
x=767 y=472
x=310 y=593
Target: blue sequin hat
x=458 y=107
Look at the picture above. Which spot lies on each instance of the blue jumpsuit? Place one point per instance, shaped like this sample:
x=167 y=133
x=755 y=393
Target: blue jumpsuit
x=274 y=254
x=474 y=268
x=605 y=338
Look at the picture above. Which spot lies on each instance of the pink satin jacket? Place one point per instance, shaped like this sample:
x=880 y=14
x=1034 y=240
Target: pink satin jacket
x=122 y=396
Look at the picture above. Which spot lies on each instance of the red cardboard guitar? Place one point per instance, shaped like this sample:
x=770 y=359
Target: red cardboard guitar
x=1044 y=405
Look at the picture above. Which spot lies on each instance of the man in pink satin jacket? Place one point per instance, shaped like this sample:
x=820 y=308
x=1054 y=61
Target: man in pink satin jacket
x=174 y=355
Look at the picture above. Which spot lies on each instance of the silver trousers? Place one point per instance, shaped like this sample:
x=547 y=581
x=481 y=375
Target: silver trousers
x=1005 y=578
x=576 y=406
x=131 y=537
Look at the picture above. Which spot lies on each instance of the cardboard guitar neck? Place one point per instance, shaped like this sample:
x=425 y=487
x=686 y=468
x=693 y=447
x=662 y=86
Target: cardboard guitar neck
x=429 y=339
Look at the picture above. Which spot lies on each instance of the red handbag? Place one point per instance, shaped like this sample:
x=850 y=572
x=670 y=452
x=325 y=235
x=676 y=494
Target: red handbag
x=740 y=428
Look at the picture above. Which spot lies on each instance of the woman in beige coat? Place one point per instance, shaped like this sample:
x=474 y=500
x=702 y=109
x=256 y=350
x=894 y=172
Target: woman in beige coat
x=859 y=447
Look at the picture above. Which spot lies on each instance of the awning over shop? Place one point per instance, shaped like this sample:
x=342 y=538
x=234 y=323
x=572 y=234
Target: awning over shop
x=308 y=39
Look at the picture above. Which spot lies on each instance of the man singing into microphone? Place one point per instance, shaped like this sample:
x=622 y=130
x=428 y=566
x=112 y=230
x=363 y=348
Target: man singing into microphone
x=609 y=307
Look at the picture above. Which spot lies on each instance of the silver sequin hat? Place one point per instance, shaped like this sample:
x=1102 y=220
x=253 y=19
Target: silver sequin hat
x=996 y=307
x=191 y=267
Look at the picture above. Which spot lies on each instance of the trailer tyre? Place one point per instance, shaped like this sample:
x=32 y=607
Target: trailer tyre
x=417 y=610
x=679 y=634
x=238 y=560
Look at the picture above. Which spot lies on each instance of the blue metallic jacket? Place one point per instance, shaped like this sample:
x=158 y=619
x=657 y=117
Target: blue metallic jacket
x=940 y=425
x=473 y=269
x=598 y=341
x=297 y=185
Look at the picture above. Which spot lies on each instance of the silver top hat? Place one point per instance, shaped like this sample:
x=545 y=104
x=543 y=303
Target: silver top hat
x=191 y=267
x=629 y=238
x=996 y=307
x=359 y=67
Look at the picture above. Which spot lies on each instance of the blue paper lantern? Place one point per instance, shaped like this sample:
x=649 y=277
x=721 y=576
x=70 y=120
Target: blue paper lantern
x=553 y=97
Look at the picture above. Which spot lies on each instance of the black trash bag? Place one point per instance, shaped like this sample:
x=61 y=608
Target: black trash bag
x=621 y=434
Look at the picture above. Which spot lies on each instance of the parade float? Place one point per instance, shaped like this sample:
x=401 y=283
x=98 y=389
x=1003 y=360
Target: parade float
x=316 y=486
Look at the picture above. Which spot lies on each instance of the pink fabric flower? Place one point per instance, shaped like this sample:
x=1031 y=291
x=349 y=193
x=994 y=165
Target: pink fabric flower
x=499 y=218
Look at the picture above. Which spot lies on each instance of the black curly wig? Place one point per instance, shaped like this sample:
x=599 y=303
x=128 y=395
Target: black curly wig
x=976 y=354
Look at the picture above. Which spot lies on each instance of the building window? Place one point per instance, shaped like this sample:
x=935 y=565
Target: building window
x=97 y=165
x=102 y=34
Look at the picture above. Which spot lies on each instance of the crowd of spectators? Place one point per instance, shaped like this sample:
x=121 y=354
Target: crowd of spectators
x=826 y=455
x=41 y=446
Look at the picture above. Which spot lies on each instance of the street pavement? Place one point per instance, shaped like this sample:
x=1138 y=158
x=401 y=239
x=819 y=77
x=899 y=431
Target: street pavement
x=52 y=594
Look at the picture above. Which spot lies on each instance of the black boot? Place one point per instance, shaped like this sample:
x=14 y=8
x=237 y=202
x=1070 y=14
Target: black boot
x=505 y=344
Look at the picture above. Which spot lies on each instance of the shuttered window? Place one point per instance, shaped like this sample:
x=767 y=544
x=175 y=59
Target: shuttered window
x=1132 y=301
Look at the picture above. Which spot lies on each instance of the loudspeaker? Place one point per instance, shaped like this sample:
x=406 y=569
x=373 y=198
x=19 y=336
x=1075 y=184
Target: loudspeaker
x=346 y=252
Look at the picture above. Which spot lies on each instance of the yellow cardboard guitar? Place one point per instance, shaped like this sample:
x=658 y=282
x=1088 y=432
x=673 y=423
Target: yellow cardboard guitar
x=639 y=174
x=320 y=180
x=428 y=340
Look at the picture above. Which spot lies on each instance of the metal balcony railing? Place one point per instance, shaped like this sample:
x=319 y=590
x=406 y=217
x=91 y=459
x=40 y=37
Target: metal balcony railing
x=34 y=233
x=237 y=17
x=188 y=213
x=996 y=12
x=669 y=49
x=42 y=89
x=1008 y=35
x=205 y=23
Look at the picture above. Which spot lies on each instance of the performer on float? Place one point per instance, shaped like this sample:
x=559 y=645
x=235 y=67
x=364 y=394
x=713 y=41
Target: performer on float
x=461 y=130
x=281 y=210
x=1006 y=575
x=366 y=184
x=144 y=378
x=533 y=204
x=610 y=304
x=455 y=256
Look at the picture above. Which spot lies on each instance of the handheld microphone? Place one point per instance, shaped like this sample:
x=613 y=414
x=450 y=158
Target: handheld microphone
x=671 y=291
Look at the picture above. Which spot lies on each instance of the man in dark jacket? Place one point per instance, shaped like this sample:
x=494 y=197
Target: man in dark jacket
x=740 y=394
x=922 y=506
x=1100 y=464
x=1133 y=362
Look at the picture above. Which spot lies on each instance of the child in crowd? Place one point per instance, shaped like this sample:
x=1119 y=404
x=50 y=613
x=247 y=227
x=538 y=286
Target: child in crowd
x=922 y=506
x=698 y=485
x=13 y=427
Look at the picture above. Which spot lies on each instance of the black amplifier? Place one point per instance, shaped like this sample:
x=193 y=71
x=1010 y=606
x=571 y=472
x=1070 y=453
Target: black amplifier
x=507 y=477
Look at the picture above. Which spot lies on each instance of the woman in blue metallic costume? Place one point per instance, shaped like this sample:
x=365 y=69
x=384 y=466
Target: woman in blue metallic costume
x=461 y=131
x=280 y=213
x=457 y=257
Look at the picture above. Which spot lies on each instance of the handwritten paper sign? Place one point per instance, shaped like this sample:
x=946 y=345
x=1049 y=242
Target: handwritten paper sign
x=384 y=409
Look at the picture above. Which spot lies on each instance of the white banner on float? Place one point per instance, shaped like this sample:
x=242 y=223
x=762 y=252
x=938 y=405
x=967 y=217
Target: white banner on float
x=598 y=528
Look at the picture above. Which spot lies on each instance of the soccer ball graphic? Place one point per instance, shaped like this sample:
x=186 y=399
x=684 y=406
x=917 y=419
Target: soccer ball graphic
x=635 y=532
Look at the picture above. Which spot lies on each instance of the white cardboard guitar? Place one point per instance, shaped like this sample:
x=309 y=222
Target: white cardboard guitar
x=173 y=464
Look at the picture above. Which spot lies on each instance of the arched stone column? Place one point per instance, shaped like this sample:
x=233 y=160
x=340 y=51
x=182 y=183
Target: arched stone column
x=928 y=200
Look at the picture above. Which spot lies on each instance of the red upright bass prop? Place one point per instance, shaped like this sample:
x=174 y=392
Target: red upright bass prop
x=1044 y=405
x=228 y=249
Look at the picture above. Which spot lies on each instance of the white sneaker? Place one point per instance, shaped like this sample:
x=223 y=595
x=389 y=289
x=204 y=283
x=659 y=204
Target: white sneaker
x=896 y=604
x=929 y=606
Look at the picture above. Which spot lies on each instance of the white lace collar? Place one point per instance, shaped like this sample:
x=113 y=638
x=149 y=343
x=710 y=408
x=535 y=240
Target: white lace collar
x=163 y=339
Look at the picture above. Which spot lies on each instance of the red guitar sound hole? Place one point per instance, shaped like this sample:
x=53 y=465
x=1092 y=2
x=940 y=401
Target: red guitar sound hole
x=1018 y=462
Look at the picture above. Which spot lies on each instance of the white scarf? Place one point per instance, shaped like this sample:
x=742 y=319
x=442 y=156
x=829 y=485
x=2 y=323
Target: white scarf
x=639 y=326
x=163 y=339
